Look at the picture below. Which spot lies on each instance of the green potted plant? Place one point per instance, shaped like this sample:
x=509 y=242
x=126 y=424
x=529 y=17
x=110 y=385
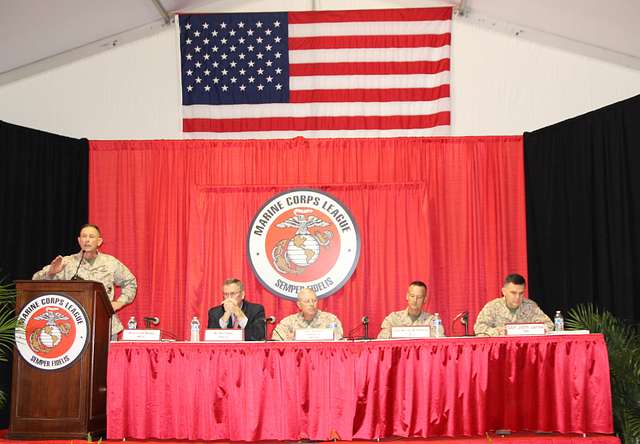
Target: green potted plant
x=623 y=344
x=7 y=326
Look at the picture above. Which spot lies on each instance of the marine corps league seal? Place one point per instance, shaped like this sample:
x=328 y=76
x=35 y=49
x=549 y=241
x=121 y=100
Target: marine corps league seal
x=52 y=331
x=303 y=238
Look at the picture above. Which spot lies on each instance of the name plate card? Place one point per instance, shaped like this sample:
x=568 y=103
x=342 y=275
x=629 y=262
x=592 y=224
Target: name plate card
x=223 y=334
x=314 y=334
x=418 y=331
x=531 y=329
x=569 y=332
x=141 y=335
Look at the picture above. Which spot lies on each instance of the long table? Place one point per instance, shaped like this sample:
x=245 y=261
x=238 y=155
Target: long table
x=358 y=390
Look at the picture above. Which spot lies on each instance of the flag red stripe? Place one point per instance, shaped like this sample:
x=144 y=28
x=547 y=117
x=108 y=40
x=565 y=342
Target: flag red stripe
x=371 y=15
x=370 y=41
x=370 y=95
x=316 y=123
x=366 y=68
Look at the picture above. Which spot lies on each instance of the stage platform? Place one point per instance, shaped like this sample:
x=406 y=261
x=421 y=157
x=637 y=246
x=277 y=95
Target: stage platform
x=516 y=438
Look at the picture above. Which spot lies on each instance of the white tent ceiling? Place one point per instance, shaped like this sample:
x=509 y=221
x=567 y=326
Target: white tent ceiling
x=36 y=35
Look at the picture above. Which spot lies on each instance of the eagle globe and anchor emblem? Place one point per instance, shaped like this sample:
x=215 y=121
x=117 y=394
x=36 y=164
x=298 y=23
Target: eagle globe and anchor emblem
x=47 y=338
x=295 y=254
x=303 y=238
x=52 y=331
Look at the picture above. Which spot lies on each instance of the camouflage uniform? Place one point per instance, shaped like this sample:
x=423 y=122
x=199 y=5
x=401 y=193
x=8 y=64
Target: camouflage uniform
x=288 y=326
x=105 y=269
x=402 y=319
x=496 y=314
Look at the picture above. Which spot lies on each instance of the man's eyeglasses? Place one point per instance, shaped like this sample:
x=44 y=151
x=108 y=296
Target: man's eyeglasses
x=231 y=294
x=309 y=301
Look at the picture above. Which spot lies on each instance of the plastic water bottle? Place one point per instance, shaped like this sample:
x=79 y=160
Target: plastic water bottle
x=195 y=329
x=132 y=324
x=438 y=332
x=558 y=321
x=334 y=327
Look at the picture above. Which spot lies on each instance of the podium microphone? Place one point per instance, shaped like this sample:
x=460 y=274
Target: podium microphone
x=148 y=320
x=75 y=277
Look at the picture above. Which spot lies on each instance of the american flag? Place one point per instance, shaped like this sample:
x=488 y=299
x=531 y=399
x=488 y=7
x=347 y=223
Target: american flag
x=365 y=73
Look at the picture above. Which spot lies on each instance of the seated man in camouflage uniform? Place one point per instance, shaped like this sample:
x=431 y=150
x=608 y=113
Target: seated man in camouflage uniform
x=410 y=316
x=511 y=308
x=308 y=317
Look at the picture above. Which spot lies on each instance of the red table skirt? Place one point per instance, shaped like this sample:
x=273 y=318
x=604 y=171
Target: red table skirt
x=358 y=390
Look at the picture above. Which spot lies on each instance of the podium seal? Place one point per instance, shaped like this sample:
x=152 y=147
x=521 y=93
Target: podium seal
x=52 y=331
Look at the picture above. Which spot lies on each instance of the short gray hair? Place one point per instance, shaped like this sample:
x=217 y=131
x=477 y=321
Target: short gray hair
x=231 y=281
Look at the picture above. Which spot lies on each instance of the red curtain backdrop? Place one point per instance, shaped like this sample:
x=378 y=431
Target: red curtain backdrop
x=449 y=211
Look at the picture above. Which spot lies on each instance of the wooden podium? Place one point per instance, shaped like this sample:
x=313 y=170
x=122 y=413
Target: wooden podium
x=64 y=397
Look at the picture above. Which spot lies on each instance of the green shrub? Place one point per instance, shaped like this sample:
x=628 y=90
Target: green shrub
x=623 y=344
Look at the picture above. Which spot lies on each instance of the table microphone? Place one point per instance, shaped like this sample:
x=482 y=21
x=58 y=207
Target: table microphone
x=149 y=320
x=464 y=320
x=269 y=320
x=365 y=323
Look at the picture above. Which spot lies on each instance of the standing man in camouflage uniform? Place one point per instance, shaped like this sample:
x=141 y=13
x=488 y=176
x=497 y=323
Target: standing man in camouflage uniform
x=410 y=316
x=91 y=265
x=511 y=308
x=308 y=317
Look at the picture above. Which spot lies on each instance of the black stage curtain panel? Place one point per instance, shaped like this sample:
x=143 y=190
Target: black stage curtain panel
x=583 y=211
x=44 y=181
x=44 y=186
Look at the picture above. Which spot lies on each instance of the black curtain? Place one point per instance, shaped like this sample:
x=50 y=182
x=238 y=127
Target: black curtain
x=44 y=183
x=583 y=211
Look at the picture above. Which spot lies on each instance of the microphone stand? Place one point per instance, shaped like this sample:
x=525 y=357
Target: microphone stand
x=465 y=322
x=265 y=329
x=270 y=320
x=350 y=335
x=75 y=276
x=275 y=330
x=364 y=324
